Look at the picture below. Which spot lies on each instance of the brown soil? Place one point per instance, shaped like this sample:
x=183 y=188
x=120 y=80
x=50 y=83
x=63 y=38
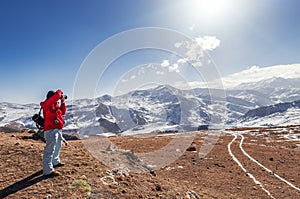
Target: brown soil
x=216 y=175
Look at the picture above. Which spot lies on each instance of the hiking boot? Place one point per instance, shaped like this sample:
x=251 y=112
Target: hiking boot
x=51 y=175
x=59 y=165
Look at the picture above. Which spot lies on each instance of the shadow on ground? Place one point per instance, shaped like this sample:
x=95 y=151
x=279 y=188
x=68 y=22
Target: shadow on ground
x=22 y=184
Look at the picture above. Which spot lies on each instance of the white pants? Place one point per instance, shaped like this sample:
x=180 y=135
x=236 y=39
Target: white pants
x=53 y=139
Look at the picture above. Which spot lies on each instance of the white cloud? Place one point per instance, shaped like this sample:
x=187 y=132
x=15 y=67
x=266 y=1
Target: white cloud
x=151 y=66
x=133 y=77
x=181 y=61
x=160 y=72
x=178 y=44
x=165 y=63
x=194 y=50
x=208 y=42
x=171 y=68
x=198 y=84
x=141 y=71
x=174 y=68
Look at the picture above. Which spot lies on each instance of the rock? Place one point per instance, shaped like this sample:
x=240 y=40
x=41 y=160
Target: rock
x=121 y=172
x=190 y=194
x=137 y=117
x=69 y=136
x=109 y=180
x=152 y=172
x=12 y=127
x=191 y=148
x=108 y=126
x=31 y=131
x=83 y=177
x=219 y=165
x=271 y=159
x=39 y=135
x=111 y=148
x=158 y=187
x=202 y=127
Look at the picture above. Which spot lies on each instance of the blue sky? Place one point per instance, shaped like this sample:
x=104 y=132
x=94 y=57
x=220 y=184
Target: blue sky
x=44 y=43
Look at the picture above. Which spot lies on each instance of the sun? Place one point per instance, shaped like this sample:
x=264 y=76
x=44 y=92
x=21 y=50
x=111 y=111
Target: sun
x=208 y=8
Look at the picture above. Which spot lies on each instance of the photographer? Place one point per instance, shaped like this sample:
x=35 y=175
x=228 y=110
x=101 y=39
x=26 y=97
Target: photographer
x=53 y=124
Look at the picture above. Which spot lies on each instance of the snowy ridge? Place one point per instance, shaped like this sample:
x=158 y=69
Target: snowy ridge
x=259 y=74
x=17 y=113
x=166 y=108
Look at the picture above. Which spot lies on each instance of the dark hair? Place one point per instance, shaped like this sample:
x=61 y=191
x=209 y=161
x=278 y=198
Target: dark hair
x=50 y=94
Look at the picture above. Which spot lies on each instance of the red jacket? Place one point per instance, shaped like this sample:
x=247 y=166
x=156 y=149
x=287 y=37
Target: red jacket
x=53 y=113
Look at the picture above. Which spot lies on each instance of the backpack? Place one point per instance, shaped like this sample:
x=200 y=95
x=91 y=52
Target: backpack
x=39 y=120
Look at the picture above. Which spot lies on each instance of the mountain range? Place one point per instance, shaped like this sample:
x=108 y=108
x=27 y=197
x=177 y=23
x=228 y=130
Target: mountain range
x=255 y=97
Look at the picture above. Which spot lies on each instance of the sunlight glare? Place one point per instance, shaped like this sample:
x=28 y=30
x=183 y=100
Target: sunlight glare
x=208 y=8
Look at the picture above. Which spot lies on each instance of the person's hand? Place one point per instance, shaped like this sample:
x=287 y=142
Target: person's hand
x=62 y=99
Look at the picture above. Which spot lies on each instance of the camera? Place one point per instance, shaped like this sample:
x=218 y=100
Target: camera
x=55 y=121
x=66 y=97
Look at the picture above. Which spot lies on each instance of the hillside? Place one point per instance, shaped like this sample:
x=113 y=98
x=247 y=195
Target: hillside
x=225 y=172
x=162 y=106
x=241 y=102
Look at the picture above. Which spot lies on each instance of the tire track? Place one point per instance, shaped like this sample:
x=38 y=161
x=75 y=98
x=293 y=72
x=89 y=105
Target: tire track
x=267 y=169
x=274 y=185
x=241 y=166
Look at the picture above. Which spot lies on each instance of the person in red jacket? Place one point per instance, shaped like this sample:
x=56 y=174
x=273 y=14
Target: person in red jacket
x=53 y=124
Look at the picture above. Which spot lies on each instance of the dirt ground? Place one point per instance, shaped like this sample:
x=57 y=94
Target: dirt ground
x=158 y=165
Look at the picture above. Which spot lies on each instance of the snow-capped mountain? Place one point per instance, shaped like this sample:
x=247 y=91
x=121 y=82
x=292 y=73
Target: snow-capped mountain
x=269 y=110
x=257 y=74
x=275 y=115
x=17 y=113
x=171 y=109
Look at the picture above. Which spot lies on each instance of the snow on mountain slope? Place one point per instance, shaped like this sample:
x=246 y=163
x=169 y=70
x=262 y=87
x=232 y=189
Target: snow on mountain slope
x=275 y=115
x=256 y=74
x=289 y=117
x=268 y=110
x=265 y=86
x=184 y=110
x=17 y=113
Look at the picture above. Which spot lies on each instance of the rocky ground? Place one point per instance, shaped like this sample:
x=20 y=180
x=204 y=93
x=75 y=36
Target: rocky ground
x=240 y=163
